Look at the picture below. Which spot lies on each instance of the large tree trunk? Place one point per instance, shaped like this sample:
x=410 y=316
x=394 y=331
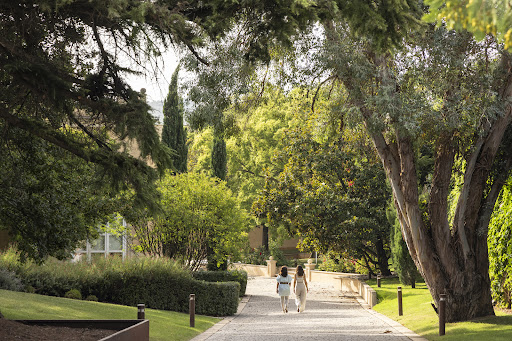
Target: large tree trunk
x=452 y=258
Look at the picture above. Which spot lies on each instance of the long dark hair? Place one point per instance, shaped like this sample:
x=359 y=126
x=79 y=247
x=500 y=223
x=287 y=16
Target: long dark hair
x=300 y=271
x=284 y=271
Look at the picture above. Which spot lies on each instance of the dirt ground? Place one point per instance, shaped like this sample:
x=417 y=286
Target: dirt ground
x=11 y=330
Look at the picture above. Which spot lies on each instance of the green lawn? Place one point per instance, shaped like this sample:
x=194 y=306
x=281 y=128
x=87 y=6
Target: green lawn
x=419 y=316
x=163 y=325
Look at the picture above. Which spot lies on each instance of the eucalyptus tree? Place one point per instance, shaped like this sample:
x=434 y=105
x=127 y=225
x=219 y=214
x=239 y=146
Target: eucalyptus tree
x=447 y=91
x=480 y=17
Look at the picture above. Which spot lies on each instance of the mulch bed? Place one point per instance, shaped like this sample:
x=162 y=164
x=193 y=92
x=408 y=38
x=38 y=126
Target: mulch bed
x=12 y=330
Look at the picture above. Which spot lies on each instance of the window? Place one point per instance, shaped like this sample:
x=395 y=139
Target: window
x=106 y=245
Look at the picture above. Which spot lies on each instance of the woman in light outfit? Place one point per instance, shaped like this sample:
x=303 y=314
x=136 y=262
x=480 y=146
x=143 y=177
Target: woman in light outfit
x=300 y=287
x=283 y=287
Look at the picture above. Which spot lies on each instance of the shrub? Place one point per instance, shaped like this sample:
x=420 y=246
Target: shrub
x=239 y=276
x=9 y=281
x=30 y=289
x=158 y=283
x=92 y=298
x=337 y=264
x=73 y=294
x=259 y=256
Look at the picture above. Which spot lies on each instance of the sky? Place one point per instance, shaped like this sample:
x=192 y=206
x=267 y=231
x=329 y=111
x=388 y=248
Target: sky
x=157 y=85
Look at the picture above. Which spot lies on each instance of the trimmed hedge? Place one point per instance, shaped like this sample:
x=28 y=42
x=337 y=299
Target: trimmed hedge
x=159 y=284
x=165 y=290
x=239 y=276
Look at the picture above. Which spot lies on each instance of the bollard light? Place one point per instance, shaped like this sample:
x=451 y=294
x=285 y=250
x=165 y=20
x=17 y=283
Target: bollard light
x=442 y=314
x=399 y=294
x=378 y=281
x=192 y=310
x=141 y=313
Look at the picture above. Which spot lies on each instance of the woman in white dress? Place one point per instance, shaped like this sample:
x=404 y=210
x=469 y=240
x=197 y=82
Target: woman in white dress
x=283 y=287
x=300 y=288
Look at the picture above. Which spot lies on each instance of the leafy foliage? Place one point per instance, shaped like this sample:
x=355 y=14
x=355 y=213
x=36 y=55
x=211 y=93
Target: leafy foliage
x=128 y=283
x=199 y=213
x=63 y=66
x=49 y=200
x=480 y=17
x=62 y=75
x=260 y=255
x=239 y=276
x=500 y=249
x=10 y=281
x=330 y=192
x=73 y=294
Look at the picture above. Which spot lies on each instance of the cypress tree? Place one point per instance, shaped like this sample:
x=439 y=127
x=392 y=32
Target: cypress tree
x=219 y=158
x=174 y=135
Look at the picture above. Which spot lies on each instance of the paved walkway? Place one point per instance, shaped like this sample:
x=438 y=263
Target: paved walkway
x=329 y=315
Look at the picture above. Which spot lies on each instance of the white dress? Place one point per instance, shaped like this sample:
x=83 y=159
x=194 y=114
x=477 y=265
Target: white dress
x=300 y=293
x=284 y=285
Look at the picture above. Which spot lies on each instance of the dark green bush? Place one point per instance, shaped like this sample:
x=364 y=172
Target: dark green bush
x=92 y=298
x=159 y=284
x=239 y=276
x=73 y=294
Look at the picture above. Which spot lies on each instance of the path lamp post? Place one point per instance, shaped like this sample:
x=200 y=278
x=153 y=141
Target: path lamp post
x=442 y=314
x=400 y=310
x=192 y=310
x=141 y=314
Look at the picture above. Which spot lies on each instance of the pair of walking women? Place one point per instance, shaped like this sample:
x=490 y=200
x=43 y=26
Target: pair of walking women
x=300 y=288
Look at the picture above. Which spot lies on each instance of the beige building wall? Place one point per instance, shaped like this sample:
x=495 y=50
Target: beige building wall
x=289 y=246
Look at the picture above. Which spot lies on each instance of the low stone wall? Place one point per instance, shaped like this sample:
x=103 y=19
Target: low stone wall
x=343 y=281
x=251 y=269
x=355 y=283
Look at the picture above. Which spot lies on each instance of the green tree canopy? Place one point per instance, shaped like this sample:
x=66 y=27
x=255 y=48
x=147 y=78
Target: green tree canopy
x=200 y=214
x=480 y=17
x=49 y=200
x=443 y=91
x=63 y=64
x=332 y=193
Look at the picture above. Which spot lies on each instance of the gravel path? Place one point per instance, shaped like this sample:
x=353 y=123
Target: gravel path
x=329 y=315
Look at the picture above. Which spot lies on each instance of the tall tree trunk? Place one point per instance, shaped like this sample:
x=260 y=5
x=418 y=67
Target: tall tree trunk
x=452 y=259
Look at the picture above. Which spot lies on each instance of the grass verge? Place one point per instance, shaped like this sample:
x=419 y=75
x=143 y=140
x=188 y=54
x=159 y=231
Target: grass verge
x=420 y=317
x=163 y=326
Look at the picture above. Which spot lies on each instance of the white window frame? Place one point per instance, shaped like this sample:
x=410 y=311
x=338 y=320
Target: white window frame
x=106 y=251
